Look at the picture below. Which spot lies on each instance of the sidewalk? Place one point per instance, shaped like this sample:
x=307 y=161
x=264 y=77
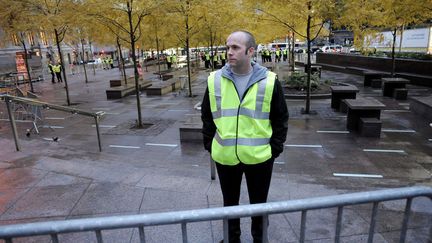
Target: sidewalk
x=149 y=170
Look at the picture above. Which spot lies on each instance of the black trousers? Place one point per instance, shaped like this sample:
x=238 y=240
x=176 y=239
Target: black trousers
x=52 y=77
x=59 y=78
x=258 y=179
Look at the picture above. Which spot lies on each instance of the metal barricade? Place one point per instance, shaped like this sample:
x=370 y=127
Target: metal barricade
x=25 y=113
x=54 y=228
x=21 y=109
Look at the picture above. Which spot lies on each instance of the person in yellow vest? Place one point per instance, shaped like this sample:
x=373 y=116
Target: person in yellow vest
x=268 y=55
x=245 y=123
x=207 y=60
x=51 y=71
x=174 y=60
x=111 y=62
x=168 y=61
x=222 y=57
x=215 y=60
x=278 y=53
x=285 y=54
x=57 y=70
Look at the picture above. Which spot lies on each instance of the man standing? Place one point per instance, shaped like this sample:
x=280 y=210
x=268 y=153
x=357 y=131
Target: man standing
x=245 y=122
x=51 y=70
x=168 y=61
x=57 y=70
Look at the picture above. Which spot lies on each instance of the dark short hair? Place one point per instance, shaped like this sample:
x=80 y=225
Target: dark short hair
x=250 y=42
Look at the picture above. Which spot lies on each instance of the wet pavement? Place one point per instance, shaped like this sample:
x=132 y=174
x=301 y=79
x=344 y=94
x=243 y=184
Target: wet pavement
x=150 y=170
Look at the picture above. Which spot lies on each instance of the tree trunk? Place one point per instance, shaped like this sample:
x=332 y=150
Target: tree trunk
x=393 y=53
x=188 y=59
x=122 y=65
x=133 y=40
x=157 y=51
x=292 y=52
x=307 y=109
x=83 y=61
x=26 y=63
x=401 y=37
x=92 y=56
x=62 y=66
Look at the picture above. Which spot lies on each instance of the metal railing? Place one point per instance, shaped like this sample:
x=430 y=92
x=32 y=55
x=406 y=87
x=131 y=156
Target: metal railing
x=39 y=104
x=54 y=228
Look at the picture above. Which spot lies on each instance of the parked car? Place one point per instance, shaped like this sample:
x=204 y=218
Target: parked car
x=331 y=48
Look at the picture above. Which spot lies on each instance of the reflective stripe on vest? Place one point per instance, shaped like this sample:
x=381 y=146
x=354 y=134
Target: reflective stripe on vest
x=56 y=68
x=234 y=141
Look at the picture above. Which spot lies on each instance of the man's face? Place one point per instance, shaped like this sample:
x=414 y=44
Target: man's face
x=236 y=49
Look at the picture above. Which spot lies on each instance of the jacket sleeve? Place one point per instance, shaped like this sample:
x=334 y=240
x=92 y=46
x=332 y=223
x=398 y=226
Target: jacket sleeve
x=278 y=119
x=209 y=127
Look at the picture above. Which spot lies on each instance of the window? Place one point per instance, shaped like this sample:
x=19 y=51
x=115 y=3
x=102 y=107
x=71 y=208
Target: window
x=30 y=39
x=15 y=40
x=43 y=38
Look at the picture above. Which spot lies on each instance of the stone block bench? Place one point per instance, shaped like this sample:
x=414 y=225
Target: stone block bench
x=190 y=131
x=422 y=106
x=376 y=83
x=164 y=87
x=340 y=92
x=400 y=94
x=118 y=92
x=370 y=127
x=390 y=84
x=364 y=116
x=371 y=75
x=115 y=83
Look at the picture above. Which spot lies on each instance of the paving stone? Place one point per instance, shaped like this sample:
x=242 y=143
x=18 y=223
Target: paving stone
x=8 y=197
x=103 y=198
x=156 y=200
x=47 y=201
x=20 y=178
x=58 y=179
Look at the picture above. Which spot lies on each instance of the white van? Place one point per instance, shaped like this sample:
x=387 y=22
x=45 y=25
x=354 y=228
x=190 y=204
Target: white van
x=332 y=48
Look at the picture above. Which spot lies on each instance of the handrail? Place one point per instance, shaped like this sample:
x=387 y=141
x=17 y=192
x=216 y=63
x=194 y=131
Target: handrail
x=187 y=216
x=51 y=106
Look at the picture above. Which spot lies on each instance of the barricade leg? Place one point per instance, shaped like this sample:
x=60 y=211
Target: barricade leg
x=212 y=169
x=13 y=124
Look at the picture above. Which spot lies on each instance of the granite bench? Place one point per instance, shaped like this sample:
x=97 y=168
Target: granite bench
x=370 y=127
x=422 y=106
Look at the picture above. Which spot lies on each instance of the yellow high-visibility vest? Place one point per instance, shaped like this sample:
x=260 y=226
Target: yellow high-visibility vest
x=243 y=128
x=56 y=68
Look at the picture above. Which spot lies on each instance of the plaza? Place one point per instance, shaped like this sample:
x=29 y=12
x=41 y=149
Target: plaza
x=150 y=170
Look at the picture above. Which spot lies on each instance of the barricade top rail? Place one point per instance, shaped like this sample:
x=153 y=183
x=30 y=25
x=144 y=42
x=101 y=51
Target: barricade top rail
x=51 y=106
x=140 y=220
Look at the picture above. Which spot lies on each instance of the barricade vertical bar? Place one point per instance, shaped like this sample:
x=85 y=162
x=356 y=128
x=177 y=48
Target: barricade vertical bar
x=141 y=234
x=338 y=224
x=265 y=228
x=372 y=223
x=212 y=169
x=54 y=238
x=225 y=229
x=184 y=232
x=405 y=220
x=99 y=236
x=98 y=132
x=303 y=226
x=12 y=121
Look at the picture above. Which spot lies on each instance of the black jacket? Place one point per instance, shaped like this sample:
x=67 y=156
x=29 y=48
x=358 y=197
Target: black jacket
x=278 y=119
